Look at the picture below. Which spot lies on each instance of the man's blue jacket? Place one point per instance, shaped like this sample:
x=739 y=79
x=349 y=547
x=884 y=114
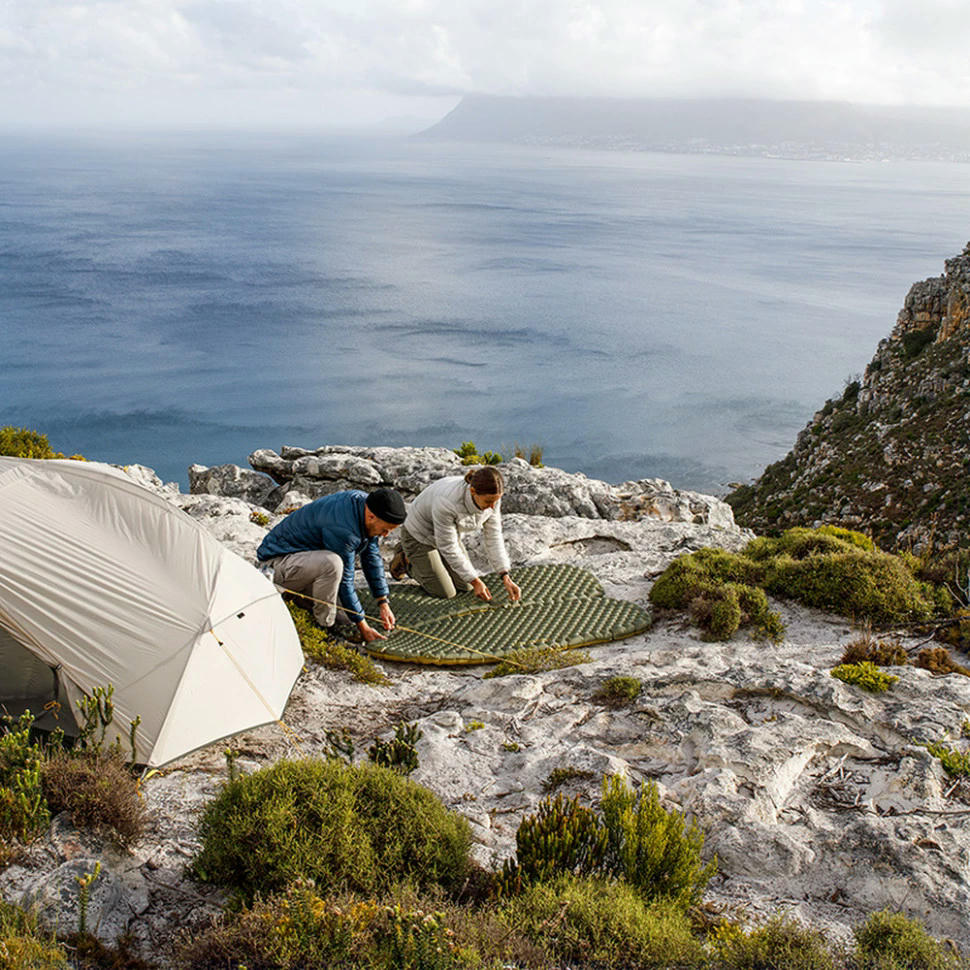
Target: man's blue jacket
x=336 y=523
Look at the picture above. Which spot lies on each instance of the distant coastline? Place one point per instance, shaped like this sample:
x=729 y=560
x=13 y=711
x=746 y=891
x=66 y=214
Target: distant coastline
x=809 y=130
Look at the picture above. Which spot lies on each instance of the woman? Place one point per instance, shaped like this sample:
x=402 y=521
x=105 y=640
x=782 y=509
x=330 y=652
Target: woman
x=431 y=541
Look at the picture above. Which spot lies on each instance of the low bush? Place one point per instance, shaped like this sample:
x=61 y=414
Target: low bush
x=780 y=944
x=955 y=763
x=97 y=790
x=865 y=675
x=324 y=650
x=300 y=929
x=829 y=568
x=24 y=946
x=23 y=443
x=469 y=455
x=24 y=813
x=892 y=941
x=632 y=838
x=361 y=828
x=883 y=653
x=589 y=922
x=617 y=691
x=939 y=660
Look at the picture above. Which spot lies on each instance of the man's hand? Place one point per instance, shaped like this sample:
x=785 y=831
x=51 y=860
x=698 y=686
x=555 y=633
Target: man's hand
x=369 y=633
x=387 y=617
x=515 y=594
x=480 y=589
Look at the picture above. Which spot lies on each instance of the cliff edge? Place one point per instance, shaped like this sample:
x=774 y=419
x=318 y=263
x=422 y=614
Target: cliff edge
x=890 y=457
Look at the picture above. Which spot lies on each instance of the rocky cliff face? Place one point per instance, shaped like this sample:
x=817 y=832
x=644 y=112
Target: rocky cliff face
x=891 y=456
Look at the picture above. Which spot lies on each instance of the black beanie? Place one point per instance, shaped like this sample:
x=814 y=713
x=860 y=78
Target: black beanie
x=386 y=504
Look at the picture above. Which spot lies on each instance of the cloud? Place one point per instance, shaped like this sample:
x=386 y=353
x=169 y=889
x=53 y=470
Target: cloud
x=282 y=58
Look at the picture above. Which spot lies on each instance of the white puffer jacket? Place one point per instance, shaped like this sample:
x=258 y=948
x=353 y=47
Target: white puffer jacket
x=444 y=510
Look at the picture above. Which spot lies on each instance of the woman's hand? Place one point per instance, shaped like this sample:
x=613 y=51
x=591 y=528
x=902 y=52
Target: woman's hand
x=368 y=632
x=515 y=594
x=480 y=589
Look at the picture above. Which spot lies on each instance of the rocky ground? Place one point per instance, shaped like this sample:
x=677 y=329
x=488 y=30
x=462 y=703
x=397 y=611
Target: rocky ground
x=815 y=796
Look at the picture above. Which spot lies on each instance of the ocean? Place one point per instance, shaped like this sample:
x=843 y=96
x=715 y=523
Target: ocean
x=175 y=298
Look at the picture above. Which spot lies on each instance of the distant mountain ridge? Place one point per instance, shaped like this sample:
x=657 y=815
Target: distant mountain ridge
x=792 y=129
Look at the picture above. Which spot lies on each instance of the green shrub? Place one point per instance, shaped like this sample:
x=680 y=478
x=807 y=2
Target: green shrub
x=561 y=837
x=915 y=340
x=781 y=944
x=656 y=851
x=324 y=650
x=23 y=443
x=24 y=813
x=23 y=946
x=892 y=941
x=874 y=586
x=469 y=455
x=357 y=827
x=955 y=763
x=633 y=838
x=865 y=675
x=587 y=922
x=618 y=691
x=400 y=753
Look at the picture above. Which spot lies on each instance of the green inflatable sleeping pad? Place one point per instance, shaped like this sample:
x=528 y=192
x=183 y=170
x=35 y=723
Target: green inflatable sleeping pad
x=562 y=606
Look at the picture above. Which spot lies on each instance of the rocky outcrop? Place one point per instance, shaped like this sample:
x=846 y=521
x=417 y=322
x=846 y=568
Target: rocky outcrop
x=816 y=797
x=295 y=475
x=890 y=456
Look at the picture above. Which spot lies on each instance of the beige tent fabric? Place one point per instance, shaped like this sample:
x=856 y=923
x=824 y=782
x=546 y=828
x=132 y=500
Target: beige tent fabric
x=111 y=584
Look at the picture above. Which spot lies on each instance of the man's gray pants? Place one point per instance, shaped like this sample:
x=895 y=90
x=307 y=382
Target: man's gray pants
x=315 y=573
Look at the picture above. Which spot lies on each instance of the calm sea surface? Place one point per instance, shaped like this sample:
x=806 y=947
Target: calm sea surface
x=174 y=299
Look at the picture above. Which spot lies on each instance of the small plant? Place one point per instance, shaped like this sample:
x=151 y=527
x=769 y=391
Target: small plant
x=939 y=660
x=955 y=763
x=97 y=790
x=596 y=923
x=320 y=648
x=232 y=755
x=24 y=946
x=536 y=660
x=84 y=896
x=562 y=837
x=340 y=745
x=562 y=776
x=22 y=443
x=865 y=675
x=618 y=691
x=473 y=726
x=532 y=454
x=892 y=941
x=633 y=838
x=965 y=729
x=469 y=455
x=260 y=518
x=883 y=653
x=401 y=753
x=24 y=812
x=781 y=942
x=511 y=746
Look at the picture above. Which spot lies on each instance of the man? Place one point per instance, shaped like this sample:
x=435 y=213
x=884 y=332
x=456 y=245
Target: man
x=313 y=551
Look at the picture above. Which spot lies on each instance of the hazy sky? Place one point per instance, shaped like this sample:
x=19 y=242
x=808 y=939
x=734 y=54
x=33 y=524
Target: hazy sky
x=339 y=62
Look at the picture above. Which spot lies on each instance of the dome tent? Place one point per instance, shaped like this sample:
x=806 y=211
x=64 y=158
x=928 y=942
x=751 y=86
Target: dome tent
x=104 y=582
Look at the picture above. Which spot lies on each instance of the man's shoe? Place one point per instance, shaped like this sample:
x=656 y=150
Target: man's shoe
x=399 y=565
